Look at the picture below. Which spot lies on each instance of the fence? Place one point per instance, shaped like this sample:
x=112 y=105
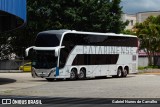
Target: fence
x=11 y=64
x=143 y=61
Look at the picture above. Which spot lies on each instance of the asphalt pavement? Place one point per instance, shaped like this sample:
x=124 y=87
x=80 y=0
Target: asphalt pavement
x=90 y=91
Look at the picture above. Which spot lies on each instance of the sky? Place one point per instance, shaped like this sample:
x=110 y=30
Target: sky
x=135 y=6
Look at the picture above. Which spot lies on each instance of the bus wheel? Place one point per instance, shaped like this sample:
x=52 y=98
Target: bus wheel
x=119 y=72
x=73 y=74
x=125 y=72
x=82 y=74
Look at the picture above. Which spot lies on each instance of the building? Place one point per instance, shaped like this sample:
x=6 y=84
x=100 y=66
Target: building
x=142 y=16
x=138 y=17
x=131 y=18
x=12 y=14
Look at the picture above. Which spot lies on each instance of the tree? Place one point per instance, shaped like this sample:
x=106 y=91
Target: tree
x=5 y=48
x=149 y=35
x=117 y=25
x=83 y=15
x=130 y=32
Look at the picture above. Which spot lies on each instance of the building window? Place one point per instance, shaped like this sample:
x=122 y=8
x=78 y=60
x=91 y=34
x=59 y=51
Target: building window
x=131 y=22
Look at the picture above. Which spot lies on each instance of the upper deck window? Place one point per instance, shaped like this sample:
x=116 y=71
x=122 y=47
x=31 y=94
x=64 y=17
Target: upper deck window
x=47 y=40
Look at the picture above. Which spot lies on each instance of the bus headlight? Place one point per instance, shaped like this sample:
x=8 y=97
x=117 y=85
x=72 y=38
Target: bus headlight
x=53 y=71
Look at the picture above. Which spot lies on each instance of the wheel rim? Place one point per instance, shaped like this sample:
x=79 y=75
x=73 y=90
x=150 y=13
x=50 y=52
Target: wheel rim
x=73 y=75
x=125 y=72
x=81 y=75
x=119 y=73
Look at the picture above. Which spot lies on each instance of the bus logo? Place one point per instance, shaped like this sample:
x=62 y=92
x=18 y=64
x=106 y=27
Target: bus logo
x=6 y=101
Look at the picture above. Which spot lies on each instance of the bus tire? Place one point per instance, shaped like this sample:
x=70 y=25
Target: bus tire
x=82 y=73
x=73 y=74
x=119 y=73
x=125 y=72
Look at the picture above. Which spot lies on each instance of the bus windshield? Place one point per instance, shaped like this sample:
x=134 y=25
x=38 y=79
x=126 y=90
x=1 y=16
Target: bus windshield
x=47 y=40
x=44 y=60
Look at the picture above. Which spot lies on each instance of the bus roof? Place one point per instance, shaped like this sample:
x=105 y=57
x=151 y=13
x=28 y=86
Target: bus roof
x=60 y=32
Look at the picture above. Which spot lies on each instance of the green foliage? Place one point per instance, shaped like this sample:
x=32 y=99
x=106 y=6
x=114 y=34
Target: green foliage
x=130 y=32
x=141 y=68
x=83 y=15
x=5 y=48
x=153 y=67
x=147 y=67
x=149 y=36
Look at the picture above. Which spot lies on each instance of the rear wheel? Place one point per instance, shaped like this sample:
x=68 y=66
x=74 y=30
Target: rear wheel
x=82 y=74
x=73 y=74
x=119 y=72
x=125 y=72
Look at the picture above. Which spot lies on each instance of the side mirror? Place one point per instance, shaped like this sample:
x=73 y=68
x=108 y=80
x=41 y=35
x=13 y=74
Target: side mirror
x=57 y=50
x=27 y=50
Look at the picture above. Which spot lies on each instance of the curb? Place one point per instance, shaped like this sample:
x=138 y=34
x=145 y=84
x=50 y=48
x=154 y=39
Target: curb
x=11 y=71
x=149 y=71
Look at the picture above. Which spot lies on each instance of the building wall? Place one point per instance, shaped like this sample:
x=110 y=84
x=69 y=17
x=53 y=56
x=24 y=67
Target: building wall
x=142 y=16
x=14 y=7
x=139 y=17
x=11 y=64
x=12 y=14
x=131 y=19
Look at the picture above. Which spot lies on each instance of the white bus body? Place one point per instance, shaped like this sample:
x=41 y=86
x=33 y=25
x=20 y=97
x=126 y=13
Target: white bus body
x=78 y=55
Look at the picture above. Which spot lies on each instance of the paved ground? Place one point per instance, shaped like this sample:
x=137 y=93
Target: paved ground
x=134 y=86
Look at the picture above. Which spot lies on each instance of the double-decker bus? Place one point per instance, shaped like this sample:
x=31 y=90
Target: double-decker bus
x=78 y=55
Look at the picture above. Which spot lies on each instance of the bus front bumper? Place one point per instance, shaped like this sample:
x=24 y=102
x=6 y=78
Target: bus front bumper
x=43 y=73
